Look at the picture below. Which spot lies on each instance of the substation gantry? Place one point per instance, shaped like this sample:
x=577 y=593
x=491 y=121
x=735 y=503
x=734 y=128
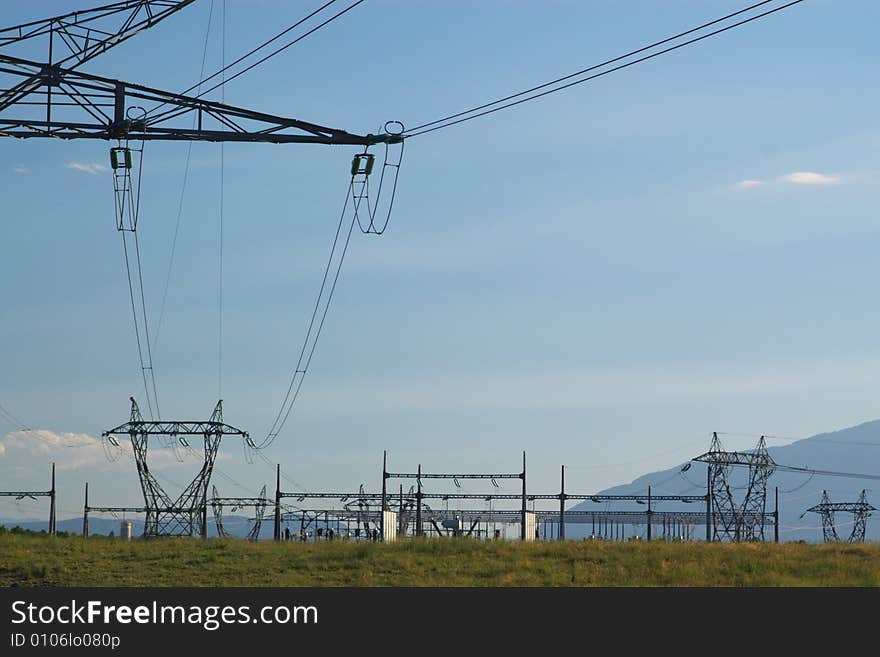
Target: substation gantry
x=52 y=494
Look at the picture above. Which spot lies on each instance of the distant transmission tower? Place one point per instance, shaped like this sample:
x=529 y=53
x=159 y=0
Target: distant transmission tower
x=860 y=510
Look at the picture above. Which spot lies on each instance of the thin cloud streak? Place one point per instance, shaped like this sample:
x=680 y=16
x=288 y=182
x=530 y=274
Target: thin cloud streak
x=809 y=178
x=92 y=168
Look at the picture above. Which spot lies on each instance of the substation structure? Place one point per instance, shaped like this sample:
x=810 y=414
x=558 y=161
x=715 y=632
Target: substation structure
x=187 y=514
x=34 y=494
x=827 y=509
x=388 y=515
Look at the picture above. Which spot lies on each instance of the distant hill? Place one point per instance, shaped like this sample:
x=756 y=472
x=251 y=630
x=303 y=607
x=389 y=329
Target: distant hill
x=854 y=450
x=234 y=525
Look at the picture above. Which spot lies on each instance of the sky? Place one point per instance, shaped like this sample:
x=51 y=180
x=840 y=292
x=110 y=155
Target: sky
x=600 y=278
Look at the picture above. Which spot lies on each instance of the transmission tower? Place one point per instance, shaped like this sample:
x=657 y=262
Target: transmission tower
x=185 y=515
x=746 y=521
x=860 y=511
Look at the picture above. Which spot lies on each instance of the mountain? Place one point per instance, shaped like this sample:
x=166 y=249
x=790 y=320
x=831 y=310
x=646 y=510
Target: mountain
x=101 y=526
x=853 y=450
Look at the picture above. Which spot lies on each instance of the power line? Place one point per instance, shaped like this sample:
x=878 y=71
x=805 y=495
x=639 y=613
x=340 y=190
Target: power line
x=259 y=61
x=12 y=419
x=826 y=473
x=303 y=362
x=258 y=48
x=501 y=103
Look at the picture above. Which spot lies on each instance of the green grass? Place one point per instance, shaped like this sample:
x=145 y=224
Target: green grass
x=72 y=561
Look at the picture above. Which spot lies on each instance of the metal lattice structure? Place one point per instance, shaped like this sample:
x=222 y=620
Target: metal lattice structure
x=827 y=509
x=52 y=494
x=185 y=515
x=76 y=37
x=51 y=99
x=258 y=503
x=732 y=522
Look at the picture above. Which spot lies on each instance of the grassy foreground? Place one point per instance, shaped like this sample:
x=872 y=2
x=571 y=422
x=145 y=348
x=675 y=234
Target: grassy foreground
x=72 y=561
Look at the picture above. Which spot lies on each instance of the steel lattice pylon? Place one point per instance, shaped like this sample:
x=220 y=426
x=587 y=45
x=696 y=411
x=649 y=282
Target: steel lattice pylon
x=861 y=510
x=184 y=516
x=746 y=522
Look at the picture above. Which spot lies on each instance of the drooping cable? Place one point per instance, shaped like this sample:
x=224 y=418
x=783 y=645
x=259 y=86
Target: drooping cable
x=530 y=94
x=313 y=332
x=13 y=420
x=127 y=194
x=361 y=182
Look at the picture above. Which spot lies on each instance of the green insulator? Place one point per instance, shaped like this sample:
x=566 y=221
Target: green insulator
x=120 y=158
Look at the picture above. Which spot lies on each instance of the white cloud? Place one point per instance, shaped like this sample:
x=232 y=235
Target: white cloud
x=810 y=178
x=71 y=451
x=20 y=168
x=793 y=178
x=87 y=167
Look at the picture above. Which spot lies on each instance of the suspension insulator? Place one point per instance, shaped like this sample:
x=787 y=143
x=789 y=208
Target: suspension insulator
x=362 y=163
x=120 y=157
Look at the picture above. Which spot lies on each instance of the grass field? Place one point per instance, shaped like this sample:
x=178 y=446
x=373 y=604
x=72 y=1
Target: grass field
x=72 y=561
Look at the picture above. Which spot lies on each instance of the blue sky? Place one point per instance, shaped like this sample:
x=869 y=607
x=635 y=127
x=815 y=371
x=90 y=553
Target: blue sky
x=601 y=278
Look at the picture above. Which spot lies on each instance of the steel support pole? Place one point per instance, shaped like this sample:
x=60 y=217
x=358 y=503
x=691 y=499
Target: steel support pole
x=400 y=514
x=708 y=503
x=522 y=533
x=86 y=513
x=52 y=496
x=649 y=513
x=277 y=533
x=419 y=502
x=384 y=490
x=562 y=506
x=775 y=518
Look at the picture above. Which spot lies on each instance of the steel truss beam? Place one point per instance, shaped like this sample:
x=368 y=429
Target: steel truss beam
x=184 y=516
x=344 y=497
x=87 y=33
x=53 y=101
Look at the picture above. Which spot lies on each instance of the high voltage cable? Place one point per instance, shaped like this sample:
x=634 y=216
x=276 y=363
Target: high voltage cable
x=12 y=419
x=826 y=473
x=303 y=362
x=258 y=48
x=163 y=115
x=501 y=103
